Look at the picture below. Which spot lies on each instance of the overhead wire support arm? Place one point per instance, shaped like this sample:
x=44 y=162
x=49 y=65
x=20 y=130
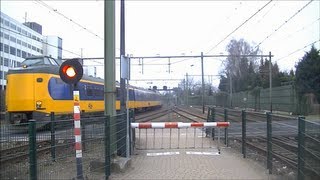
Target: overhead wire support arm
x=167 y=57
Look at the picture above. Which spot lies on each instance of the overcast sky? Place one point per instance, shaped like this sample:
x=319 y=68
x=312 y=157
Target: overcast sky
x=177 y=28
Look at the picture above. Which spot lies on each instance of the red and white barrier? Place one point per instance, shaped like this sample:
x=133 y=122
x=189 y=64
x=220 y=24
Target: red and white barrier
x=161 y=125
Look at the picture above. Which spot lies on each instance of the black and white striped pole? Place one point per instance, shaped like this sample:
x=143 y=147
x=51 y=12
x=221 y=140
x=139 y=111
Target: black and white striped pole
x=71 y=71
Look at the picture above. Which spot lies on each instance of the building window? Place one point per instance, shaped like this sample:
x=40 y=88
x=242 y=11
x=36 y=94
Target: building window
x=19 y=29
x=41 y=51
x=0 y=74
x=24 y=44
x=29 y=34
x=1 y=47
x=28 y=55
x=29 y=46
x=5 y=75
x=13 y=39
x=6 y=62
x=11 y=63
x=6 y=22
x=24 y=32
x=18 y=52
x=1 y=59
x=2 y=20
x=34 y=37
x=1 y=34
x=18 y=41
x=38 y=50
x=12 y=50
x=24 y=54
x=6 y=36
x=34 y=48
x=13 y=26
x=5 y=48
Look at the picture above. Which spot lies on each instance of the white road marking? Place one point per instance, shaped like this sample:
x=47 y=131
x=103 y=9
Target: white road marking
x=163 y=154
x=203 y=153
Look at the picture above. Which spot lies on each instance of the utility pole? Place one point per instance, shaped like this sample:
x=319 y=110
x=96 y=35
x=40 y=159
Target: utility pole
x=169 y=65
x=187 y=84
x=202 y=74
x=122 y=52
x=109 y=58
x=230 y=73
x=124 y=150
x=270 y=82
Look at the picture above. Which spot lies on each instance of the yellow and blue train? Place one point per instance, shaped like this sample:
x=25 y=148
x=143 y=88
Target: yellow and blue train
x=35 y=89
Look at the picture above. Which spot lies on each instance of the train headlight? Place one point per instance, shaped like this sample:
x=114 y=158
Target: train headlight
x=38 y=104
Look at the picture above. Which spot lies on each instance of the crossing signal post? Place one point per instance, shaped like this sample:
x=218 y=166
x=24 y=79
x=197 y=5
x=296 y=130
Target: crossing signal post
x=71 y=71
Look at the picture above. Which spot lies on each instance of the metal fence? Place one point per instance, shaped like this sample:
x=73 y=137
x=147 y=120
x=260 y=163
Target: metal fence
x=308 y=149
x=284 y=99
x=176 y=138
x=27 y=153
x=288 y=146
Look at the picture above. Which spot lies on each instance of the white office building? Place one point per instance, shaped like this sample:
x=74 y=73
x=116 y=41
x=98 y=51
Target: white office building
x=20 y=40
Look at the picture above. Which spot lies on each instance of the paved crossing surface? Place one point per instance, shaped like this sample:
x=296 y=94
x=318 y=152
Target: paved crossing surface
x=191 y=163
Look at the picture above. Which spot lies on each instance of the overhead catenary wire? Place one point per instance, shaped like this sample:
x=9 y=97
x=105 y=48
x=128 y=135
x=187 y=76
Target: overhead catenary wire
x=226 y=20
x=268 y=11
x=41 y=41
x=69 y=19
x=301 y=29
x=297 y=50
x=243 y=23
x=285 y=22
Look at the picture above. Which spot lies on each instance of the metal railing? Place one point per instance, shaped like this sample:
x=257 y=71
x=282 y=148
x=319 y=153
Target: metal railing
x=279 y=141
x=176 y=135
x=49 y=153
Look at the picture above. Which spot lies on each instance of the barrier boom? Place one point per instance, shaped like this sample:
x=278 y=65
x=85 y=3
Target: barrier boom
x=163 y=125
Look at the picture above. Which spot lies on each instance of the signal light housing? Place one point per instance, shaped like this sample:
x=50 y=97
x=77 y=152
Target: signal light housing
x=71 y=71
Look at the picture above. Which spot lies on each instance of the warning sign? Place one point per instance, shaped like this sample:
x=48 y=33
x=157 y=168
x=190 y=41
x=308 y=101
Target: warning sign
x=76 y=97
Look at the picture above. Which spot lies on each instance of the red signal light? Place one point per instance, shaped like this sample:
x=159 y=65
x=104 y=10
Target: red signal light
x=71 y=71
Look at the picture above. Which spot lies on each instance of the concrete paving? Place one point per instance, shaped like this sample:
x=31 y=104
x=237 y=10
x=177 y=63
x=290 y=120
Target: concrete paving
x=183 y=162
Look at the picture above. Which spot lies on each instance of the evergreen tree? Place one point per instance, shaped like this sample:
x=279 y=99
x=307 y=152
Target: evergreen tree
x=307 y=78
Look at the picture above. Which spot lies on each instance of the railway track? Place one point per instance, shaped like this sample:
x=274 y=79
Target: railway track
x=152 y=115
x=22 y=151
x=284 y=149
x=195 y=117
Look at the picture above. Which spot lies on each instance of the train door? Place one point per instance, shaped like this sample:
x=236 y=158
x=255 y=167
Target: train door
x=40 y=92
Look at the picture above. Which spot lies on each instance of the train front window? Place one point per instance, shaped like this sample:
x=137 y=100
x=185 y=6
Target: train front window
x=37 y=61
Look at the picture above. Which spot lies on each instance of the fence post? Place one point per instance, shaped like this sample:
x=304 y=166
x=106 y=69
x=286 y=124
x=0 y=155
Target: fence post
x=53 y=137
x=131 y=131
x=107 y=142
x=208 y=120
x=269 y=142
x=226 y=140
x=243 y=113
x=33 y=149
x=213 y=120
x=301 y=147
